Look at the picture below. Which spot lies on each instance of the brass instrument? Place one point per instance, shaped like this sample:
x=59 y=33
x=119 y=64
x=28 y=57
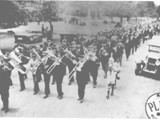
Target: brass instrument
x=39 y=61
x=15 y=62
x=35 y=52
x=57 y=62
x=4 y=63
x=78 y=67
x=69 y=55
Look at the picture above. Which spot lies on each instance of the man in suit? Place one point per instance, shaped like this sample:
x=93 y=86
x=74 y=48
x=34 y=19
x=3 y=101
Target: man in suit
x=47 y=63
x=58 y=73
x=82 y=73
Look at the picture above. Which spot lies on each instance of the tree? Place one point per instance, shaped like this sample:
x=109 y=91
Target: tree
x=12 y=14
x=49 y=10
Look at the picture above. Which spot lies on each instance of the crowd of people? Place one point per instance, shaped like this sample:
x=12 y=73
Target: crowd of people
x=81 y=56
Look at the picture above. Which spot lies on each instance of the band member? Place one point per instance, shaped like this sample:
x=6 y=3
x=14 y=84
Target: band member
x=24 y=55
x=118 y=52
x=53 y=50
x=127 y=46
x=104 y=54
x=58 y=73
x=15 y=55
x=47 y=63
x=6 y=53
x=5 y=82
x=36 y=74
x=82 y=73
x=71 y=64
x=93 y=65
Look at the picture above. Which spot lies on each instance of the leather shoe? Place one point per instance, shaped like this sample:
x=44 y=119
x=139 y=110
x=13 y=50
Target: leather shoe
x=21 y=89
x=2 y=109
x=81 y=101
x=6 y=110
x=45 y=96
x=60 y=97
x=34 y=93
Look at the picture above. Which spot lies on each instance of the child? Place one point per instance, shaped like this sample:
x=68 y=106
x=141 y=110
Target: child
x=113 y=71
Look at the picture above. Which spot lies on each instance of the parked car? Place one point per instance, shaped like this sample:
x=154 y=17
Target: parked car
x=150 y=64
x=29 y=39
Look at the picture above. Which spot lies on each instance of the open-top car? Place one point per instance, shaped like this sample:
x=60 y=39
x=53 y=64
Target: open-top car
x=151 y=64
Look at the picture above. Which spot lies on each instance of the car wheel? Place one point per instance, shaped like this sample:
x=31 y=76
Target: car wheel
x=138 y=71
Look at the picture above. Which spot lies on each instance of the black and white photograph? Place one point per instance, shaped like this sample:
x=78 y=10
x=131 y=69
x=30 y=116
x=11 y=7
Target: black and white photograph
x=80 y=59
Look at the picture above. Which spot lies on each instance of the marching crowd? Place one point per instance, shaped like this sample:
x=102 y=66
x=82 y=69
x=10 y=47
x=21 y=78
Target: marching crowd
x=81 y=56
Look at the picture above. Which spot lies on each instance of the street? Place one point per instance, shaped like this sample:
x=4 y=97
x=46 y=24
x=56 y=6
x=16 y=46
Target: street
x=128 y=101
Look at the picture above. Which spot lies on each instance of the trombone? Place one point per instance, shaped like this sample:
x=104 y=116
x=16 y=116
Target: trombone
x=78 y=67
x=57 y=62
x=39 y=61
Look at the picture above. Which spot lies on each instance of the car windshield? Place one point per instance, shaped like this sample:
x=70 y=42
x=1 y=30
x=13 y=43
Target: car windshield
x=154 y=49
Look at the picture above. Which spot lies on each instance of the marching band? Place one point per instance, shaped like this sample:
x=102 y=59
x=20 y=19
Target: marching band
x=81 y=58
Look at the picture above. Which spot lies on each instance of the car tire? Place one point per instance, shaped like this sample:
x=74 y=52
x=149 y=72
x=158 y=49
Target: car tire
x=138 y=71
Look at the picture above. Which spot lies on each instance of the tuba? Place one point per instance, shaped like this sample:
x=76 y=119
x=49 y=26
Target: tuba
x=15 y=62
x=4 y=62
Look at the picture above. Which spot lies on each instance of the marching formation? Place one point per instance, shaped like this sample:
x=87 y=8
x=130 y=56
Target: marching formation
x=81 y=56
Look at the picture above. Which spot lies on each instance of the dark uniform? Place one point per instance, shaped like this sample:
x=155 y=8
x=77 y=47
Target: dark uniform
x=58 y=73
x=82 y=79
x=5 y=82
x=82 y=75
x=47 y=77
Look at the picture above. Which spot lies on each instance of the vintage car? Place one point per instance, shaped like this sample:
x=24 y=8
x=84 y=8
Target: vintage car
x=29 y=39
x=151 y=64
